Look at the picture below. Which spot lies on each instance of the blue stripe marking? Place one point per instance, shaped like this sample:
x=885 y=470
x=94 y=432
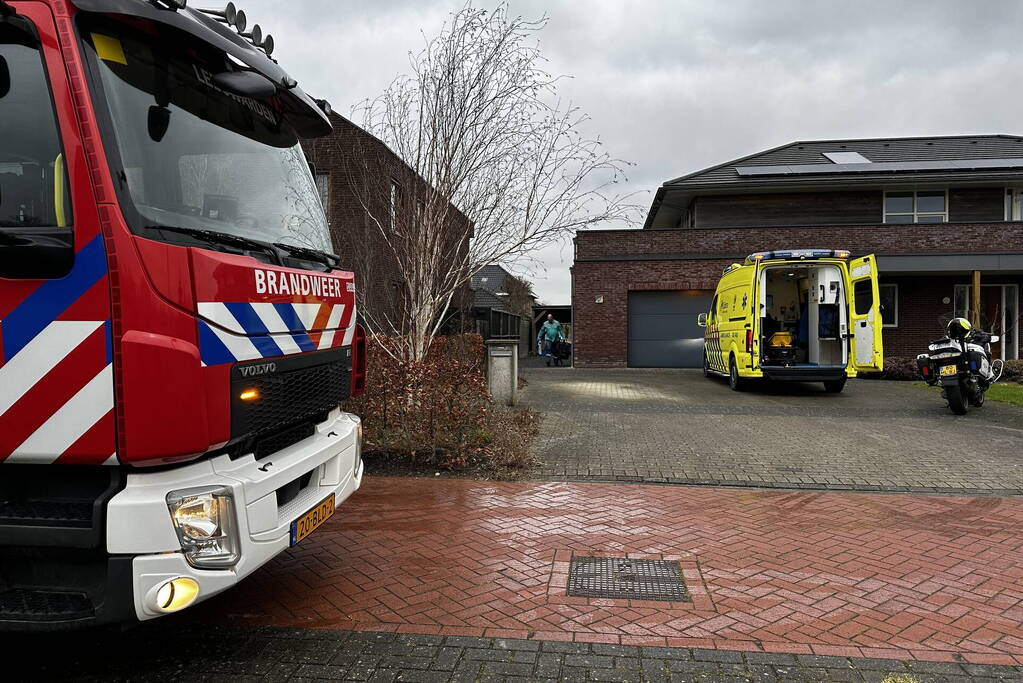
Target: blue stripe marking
x=53 y=297
x=211 y=349
x=250 y=322
x=292 y=322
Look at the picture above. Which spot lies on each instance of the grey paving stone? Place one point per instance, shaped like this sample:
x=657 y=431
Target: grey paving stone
x=637 y=425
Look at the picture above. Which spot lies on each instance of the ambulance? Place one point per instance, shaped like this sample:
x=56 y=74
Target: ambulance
x=806 y=315
x=176 y=337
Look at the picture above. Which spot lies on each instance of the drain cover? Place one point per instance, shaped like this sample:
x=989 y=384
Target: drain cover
x=624 y=579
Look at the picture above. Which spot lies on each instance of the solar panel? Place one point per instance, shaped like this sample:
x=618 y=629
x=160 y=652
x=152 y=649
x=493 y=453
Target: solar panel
x=819 y=169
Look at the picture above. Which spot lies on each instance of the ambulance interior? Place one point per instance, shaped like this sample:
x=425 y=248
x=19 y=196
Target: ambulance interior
x=803 y=316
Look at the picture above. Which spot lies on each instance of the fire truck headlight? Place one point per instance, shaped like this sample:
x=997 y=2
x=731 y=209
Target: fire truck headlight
x=204 y=521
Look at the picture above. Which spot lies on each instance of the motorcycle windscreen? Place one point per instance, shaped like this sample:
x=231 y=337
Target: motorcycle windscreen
x=865 y=316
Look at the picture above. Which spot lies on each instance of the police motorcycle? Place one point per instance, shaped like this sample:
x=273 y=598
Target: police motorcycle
x=961 y=363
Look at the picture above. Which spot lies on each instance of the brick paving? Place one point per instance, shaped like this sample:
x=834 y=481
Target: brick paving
x=162 y=652
x=930 y=578
x=675 y=426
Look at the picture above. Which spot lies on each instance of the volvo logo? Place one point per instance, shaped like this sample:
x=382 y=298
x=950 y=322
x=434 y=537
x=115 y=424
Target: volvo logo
x=257 y=370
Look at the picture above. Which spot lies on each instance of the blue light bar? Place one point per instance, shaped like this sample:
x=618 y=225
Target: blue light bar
x=796 y=254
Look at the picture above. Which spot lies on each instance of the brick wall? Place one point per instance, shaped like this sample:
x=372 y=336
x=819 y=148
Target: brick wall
x=922 y=311
x=694 y=259
x=361 y=168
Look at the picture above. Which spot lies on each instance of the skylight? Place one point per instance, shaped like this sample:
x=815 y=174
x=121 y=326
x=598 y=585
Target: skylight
x=846 y=157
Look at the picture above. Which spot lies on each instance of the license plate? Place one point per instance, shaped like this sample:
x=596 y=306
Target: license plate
x=312 y=520
x=949 y=369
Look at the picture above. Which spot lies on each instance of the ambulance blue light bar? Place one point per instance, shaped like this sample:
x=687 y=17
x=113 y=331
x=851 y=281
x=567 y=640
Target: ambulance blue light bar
x=796 y=254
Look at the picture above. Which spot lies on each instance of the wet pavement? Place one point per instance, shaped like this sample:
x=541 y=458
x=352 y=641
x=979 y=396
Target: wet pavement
x=677 y=427
x=850 y=575
x=160 y=652
x=442 y=580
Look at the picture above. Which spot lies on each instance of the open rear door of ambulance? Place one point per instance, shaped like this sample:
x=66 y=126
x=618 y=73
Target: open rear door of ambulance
x=865 y=316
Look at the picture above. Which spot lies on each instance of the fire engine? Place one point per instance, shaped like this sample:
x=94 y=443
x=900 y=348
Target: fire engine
x=176 y=335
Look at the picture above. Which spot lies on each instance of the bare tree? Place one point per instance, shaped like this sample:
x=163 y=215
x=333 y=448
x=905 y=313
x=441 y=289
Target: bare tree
x=496 y=166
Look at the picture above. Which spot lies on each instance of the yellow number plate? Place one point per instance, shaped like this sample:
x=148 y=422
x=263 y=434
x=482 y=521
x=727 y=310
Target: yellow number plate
x=312 y=520
x=949 y=369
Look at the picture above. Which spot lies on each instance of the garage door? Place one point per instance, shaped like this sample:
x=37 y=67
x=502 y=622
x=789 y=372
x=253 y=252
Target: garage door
x=662 y=328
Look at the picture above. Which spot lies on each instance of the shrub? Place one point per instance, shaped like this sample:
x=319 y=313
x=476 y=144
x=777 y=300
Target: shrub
x=438 y=411
x=1013 y=371
x=900 y=368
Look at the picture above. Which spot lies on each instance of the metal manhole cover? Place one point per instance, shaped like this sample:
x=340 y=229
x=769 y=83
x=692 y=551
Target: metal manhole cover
x=624 y=579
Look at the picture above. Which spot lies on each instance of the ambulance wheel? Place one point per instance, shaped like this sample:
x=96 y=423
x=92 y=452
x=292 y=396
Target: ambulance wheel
x=735 y=382
x=835 y=386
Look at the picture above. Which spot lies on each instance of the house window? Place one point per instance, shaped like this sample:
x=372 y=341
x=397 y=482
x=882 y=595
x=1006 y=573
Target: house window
x=1014 y=204
x=924 y=206
x=395 y=191
x=323 y=189
x=889 y=305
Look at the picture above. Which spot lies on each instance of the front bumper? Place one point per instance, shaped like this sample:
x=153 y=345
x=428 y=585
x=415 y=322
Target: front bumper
x=139 y=524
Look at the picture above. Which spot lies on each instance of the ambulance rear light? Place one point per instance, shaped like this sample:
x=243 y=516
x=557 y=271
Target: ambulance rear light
x=749 y=341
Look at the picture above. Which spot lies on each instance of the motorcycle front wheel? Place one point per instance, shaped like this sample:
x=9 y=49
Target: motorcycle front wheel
x=956 y=399
x=978 y=400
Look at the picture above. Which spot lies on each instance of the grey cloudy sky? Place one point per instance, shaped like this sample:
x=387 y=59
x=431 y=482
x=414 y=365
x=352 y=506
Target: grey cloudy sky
x=677 y=86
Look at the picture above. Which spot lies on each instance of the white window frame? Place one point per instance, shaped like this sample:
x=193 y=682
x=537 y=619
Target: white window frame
x=1014 y=204
x=914 y=213
x=894 y=285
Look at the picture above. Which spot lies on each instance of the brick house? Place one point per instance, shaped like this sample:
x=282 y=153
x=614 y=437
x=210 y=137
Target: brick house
x=351 y=167
x=941 y=213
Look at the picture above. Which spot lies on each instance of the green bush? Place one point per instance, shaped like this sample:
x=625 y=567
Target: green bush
x=438 y=411
x=1013 y=371
x=900 y=368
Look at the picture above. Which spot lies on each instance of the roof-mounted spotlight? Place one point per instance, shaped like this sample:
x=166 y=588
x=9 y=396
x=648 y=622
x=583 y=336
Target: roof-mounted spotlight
x=240 y=22
x=224 y=16
x=255 y=36
x=268 y=44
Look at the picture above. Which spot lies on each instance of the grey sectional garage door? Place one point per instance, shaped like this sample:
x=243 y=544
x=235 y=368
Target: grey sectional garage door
x=662 y=328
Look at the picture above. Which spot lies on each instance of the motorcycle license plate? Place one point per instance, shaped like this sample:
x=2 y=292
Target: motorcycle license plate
x=312 y=520
x=949 y=369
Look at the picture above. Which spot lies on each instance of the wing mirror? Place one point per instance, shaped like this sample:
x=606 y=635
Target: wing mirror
x=157 y=122
x=5 y=78
x=701 y=320
x=995 y=338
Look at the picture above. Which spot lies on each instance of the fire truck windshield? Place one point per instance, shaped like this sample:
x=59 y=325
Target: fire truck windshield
x=193 y=155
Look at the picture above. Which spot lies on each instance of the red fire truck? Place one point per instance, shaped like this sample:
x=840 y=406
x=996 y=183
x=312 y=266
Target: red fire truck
x=176 y=336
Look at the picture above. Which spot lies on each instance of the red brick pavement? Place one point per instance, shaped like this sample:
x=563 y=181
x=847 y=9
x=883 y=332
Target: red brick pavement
x=893 y=576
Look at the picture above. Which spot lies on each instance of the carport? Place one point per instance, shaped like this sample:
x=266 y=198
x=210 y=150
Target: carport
x=662 y=328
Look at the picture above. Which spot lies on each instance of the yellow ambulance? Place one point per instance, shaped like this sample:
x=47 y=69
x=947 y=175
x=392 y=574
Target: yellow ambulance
x=807 y=315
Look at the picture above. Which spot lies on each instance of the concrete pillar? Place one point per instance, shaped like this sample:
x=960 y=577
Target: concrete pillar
x=503 y=370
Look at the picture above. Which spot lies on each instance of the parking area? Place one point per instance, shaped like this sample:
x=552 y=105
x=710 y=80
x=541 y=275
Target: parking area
x=675 y=426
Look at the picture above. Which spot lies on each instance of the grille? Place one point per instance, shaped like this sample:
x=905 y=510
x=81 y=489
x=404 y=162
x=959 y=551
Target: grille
x=67 y=513
x=301 y=388
x=626 y=579
x=20 y=604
